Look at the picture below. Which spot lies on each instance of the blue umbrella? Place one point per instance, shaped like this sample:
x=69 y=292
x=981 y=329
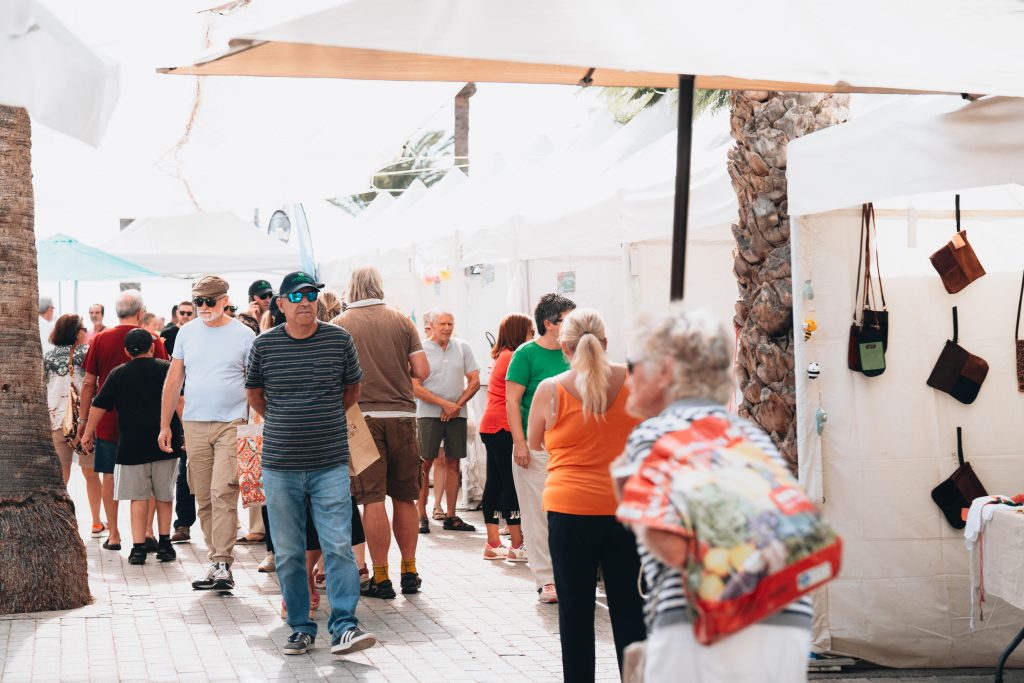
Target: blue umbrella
x=64 y=258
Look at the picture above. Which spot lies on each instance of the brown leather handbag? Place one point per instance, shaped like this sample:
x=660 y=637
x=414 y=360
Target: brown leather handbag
x=1018 y=342
x=869 y=335
x=956 y=262
x=958 y=372
x=959 y=489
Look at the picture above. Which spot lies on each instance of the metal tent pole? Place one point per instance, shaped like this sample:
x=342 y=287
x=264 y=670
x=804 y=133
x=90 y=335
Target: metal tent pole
x=684 y=146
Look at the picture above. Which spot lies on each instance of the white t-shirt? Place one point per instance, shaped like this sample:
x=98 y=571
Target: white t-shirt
x=448 y=369
x=45 y=327
x=215 y=360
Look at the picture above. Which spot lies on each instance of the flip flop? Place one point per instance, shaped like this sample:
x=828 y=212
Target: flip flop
x=245 y=540
x=439 y=515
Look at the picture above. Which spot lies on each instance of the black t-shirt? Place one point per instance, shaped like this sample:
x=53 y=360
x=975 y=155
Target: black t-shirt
x=135 y=390
x=169 y=334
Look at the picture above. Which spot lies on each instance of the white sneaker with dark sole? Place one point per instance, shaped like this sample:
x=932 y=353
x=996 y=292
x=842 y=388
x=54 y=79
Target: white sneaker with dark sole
x=352 y=640
x=492 y=553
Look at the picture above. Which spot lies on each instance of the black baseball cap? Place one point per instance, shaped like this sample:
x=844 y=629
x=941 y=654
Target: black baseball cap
x=138 y=341
x=260 y=287
x=293 y=282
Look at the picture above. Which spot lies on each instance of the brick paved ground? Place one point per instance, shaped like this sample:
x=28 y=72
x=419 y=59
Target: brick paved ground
x=474 y=621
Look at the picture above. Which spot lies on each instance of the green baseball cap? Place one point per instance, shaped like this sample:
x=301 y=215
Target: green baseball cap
x=293 y=282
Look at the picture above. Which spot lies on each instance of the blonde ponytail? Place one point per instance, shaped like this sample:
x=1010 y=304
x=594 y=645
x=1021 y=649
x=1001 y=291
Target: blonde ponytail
x=583 y=333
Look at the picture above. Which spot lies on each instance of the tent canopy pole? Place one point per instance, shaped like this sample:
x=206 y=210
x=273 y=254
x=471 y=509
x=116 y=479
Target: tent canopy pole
x=684 y=146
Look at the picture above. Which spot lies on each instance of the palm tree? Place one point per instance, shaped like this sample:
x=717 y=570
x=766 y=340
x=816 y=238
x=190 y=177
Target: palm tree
x=42 y=558
x=763 y=123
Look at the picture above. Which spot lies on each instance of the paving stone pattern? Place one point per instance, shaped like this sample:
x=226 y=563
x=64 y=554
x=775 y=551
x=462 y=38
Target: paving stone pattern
x=474 y=621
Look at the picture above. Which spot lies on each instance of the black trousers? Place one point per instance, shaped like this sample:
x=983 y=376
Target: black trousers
x=312 y=538
x=500 y=490
x=184 y=501
x=579 y=545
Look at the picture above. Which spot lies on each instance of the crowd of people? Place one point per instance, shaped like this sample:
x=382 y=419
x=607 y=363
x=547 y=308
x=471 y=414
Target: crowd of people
x=157 y=426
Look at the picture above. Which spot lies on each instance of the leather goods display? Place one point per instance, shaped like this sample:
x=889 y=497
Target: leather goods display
x=958 y=372
x=250 y=464
x=956 y=262
x=869 y=334
x=959 y=489
x=755 y=541
x=1018 y=342
x=69 y=426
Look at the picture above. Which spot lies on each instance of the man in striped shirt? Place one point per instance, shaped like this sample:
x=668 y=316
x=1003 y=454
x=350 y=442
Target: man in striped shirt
x=302 y=377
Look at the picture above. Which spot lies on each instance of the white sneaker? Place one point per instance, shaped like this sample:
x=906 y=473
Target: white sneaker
x=547 y=594
x=516 y=554
x=492 y=553
x=268 y=565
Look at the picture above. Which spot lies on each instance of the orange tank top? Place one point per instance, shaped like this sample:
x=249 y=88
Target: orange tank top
x=581 y=450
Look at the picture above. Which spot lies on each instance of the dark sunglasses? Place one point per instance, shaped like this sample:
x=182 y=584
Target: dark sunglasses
x=230 y=309
x=296 y=297
x=208 y=301
x=187 y=314
x=265 y=295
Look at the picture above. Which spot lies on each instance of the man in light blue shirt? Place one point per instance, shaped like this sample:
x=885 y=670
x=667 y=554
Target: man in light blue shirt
x=441 y=415
x=211 y=353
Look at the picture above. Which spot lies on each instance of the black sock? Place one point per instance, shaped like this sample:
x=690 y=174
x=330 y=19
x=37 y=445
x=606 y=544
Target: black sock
x=165 y=538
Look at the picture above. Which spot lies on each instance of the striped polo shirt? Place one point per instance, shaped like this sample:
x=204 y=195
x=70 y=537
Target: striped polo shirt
x=304 y=381
x=666 y=598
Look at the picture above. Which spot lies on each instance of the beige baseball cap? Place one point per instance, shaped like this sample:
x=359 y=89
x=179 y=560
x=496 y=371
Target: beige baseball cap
x=211 y=285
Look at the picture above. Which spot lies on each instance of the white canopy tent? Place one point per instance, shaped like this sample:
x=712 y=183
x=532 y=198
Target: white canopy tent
x=197 y=244
x=903 y=596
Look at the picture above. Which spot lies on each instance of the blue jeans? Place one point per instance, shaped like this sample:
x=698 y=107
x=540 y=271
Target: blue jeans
x=329 y=500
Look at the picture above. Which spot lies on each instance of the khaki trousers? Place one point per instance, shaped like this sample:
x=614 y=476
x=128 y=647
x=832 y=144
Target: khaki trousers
x=212 y=474
x=530 y=490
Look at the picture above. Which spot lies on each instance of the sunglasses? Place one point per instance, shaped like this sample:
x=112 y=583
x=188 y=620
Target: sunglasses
x=208 y=301
x=296 y=297
x=187 y=314
x=230 y=309
x=265 y=295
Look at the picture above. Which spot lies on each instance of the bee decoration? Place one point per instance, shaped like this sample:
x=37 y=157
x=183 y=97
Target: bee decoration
x=810 y=326
x=813 y=370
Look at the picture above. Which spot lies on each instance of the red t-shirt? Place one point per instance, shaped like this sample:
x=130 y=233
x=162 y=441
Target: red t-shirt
x=106 y=352
x=495 y=418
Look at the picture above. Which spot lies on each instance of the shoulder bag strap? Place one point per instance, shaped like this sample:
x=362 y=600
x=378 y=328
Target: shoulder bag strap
x=958 y=213
x=71 y=365
x=860 y=262
x=959 y=446
x=956 y=328
x=873 y=227
x=869 y=294
x=1020 y=299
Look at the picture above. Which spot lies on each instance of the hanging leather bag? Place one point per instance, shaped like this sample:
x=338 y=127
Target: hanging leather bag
x=958 y=372
x=959 y=489
x=1018 y=342
x=869 y=336
x=956 y=262
x=69 y=425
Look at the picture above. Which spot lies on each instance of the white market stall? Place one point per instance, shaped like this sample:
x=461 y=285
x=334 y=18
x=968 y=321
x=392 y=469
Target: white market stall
x=903 y=596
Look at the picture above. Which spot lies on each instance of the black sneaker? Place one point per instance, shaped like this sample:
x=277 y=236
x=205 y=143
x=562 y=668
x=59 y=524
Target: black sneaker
x=165 y=552
x=137 y=555
x=352 y=640
x=424 y=525
x=218 y=577
x=383 y=590
x=151 y=544
x=411 y=583
x=298 y=643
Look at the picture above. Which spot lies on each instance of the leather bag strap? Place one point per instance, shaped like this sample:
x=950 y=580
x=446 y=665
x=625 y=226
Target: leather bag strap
x=956 y=327
x=958 y=213
x=1020 y=299
x=860 y=262
x=873 y=228
x=960 y=446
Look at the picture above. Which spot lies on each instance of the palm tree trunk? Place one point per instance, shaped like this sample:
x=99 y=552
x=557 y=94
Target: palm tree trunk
x=42 y=558
x=762 y=124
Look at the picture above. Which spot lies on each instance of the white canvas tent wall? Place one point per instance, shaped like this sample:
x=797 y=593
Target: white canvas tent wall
x=903 y=596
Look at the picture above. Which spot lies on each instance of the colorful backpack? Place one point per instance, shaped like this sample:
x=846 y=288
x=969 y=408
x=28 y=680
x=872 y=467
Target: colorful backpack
x=756 y=542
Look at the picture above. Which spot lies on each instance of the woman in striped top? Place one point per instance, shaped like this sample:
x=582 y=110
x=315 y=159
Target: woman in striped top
x=682 y=372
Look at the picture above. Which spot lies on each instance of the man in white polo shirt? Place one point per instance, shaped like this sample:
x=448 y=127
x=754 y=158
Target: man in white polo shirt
x=441 y=411
x=211 y=353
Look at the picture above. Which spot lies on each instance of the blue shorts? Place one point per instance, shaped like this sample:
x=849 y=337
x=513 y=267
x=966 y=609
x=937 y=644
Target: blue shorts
x=106 y=456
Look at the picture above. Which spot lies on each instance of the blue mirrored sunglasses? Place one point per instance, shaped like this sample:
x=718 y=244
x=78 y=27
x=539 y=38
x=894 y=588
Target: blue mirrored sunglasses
x=296 y=297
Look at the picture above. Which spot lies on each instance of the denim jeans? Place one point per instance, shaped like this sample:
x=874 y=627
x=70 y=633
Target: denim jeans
x=185 y=502
x=327 y=494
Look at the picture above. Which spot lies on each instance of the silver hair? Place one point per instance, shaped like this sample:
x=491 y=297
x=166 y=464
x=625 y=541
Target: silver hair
x=698 y=346
x=129 y=303
x=434 y=313
x=365 y=283
x=45 y=304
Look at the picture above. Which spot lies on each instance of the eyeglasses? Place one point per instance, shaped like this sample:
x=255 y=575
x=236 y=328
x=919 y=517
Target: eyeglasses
x=187 y=314
x=230 y=309
x=265 y=295
x=208 y=301
x=296 y=297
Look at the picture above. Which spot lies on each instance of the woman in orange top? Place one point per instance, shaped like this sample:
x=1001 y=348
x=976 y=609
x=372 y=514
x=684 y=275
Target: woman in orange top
x=580 y=416
x=500 y=492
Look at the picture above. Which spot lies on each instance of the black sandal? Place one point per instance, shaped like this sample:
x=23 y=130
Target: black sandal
x=107 y=545
x=456 y=524
x=424 y=525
